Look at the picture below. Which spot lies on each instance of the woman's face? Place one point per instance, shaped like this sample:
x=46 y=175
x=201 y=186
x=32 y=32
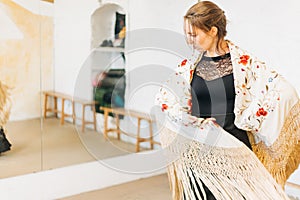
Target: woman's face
x=200 y=40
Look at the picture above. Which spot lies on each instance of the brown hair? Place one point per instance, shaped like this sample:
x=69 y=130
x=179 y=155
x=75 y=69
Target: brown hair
x=204 y=15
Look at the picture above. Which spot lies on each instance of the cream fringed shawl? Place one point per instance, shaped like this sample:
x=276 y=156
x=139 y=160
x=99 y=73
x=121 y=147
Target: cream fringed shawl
x=266 y=106
x=230 y=172
x=5 y=104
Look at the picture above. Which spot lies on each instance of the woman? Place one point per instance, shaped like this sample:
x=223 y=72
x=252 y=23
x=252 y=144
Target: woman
x=229 y=89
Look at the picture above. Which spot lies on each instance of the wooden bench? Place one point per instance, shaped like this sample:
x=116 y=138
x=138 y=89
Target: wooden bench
x=117 y=112
x=64 y=97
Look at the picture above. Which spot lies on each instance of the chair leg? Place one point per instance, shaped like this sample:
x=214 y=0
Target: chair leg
x=105 y=123
x=137 y=149
x=94 y=116
x=55 y=107
x=45 y=106
x=151 y=134
x=73 y=112
x=118 y=126
x=62 y=120
x=83 y=118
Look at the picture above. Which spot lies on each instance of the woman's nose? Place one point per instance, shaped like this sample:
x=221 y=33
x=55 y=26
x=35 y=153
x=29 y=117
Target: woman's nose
x=189 y=40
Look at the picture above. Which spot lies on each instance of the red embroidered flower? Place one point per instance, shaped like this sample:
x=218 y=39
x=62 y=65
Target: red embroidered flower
x=183 y=62
x=244 y=59
x=261 y=112
x=191 y=74
x=189 y=103
x=164 y=107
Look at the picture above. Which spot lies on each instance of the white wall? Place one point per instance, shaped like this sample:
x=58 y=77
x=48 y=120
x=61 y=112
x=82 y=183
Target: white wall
x=269 y=30
x=72 y=40
x=37 y=7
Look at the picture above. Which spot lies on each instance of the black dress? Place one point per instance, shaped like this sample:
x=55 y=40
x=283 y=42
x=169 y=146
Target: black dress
x=213 y=95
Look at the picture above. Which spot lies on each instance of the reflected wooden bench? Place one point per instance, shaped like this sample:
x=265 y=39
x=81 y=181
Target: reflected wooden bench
x=117 y=112
x=64 y=97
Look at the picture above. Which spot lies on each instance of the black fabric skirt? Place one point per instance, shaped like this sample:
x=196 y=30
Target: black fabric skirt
x=4 y=143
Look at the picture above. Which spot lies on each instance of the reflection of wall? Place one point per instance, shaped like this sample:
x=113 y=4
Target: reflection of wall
x=22 y=61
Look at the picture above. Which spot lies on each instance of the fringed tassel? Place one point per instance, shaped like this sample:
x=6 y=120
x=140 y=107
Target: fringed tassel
x=282 y=158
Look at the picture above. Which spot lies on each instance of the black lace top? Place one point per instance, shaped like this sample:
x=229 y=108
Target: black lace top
x=210 y=68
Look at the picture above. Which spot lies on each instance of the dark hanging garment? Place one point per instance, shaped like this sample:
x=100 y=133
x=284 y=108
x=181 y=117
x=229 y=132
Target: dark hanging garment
x=4 y=143
x=110 y=90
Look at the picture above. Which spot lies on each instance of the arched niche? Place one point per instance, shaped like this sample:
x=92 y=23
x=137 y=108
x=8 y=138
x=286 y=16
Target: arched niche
x=103 y=23
x=109 y=59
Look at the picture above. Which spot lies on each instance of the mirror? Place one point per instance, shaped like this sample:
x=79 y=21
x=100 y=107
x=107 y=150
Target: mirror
x=30 y=66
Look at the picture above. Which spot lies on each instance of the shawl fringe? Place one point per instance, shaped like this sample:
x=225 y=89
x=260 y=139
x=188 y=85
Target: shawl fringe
x=229 y=173
x=282 y=158
x=5 y=104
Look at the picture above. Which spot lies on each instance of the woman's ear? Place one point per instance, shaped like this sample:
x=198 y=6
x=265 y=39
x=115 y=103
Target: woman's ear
x=213 y=31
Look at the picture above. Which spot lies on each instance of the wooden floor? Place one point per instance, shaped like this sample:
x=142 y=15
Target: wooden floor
x=156 y=187
x=42 y=145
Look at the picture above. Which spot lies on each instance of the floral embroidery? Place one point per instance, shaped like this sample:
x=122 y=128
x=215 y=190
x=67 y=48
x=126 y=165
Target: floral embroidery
x=183 y=62
x=244 y=59
x=189 y=103
x=261 y=112
x=164 y=107
x=191 y=74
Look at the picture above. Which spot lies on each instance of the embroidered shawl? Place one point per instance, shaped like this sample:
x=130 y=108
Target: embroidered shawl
x=266 y=106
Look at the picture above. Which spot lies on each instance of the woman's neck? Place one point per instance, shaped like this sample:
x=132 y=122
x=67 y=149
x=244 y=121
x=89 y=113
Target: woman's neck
x=213 y=51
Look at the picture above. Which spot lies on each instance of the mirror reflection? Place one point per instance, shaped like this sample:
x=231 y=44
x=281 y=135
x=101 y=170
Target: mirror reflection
x=61 y=108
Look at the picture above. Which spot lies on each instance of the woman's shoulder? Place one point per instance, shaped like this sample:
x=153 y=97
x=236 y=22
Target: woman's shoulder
x=243 y=57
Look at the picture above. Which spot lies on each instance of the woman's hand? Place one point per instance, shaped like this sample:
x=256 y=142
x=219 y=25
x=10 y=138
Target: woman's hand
x=210 y=120
x=202 y=121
